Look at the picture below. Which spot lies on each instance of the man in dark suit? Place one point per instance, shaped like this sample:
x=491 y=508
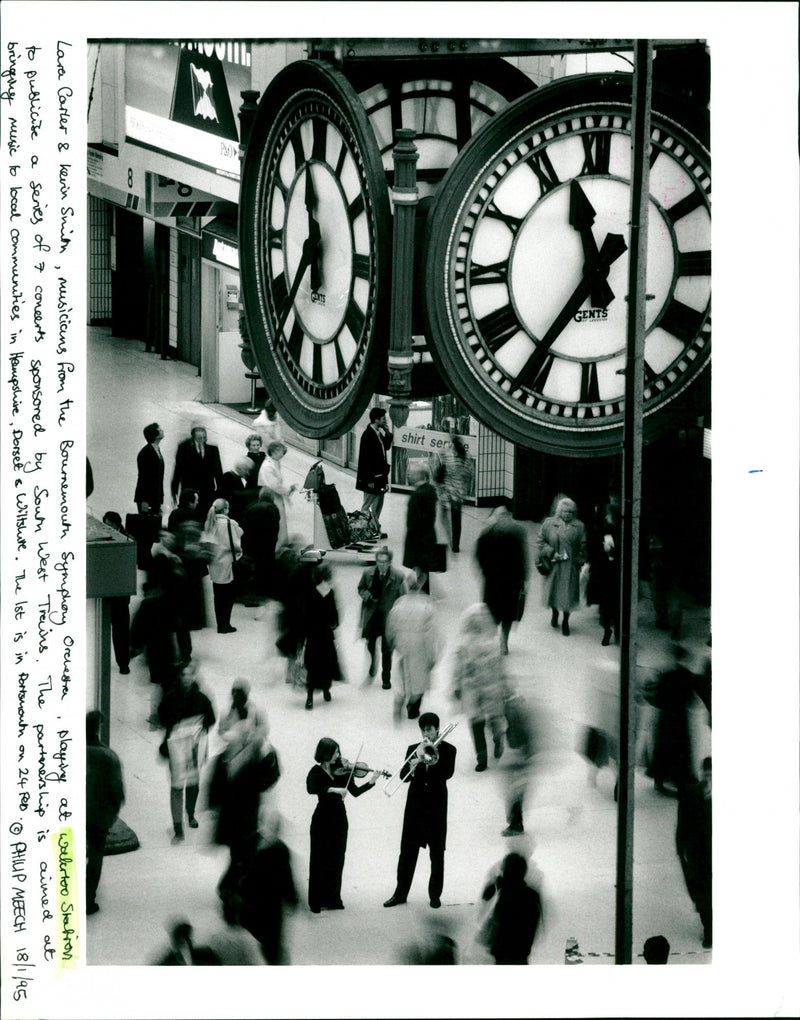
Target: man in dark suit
x=420 y=549
x=425 y=818
x=197 y=466
x=149 y=494
x=379 y=588
x=372 y=475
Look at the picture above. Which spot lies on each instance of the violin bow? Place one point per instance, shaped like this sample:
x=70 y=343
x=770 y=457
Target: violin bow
x=355 y=762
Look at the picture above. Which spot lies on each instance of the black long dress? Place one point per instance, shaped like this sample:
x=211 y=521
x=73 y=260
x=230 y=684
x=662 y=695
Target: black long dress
x=328 y=838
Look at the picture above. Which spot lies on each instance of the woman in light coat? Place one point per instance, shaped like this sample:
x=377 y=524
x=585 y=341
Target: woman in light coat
x=411 y=633
x=479 y=679
x=271 y=476
x=562 y=545
x=224 y=536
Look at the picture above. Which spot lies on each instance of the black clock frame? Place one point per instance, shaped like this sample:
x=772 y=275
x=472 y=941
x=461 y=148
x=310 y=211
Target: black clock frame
x=453 y=196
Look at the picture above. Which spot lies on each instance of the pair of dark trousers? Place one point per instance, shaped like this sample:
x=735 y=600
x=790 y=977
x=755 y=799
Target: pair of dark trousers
x=479 y=736
x=386 y=653
x=121 y=629
x=406 y=865
x=224 y=597
x=455 y=524
x=95 y=845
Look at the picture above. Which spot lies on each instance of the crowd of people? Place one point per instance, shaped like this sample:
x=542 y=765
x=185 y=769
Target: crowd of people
x=231 y=527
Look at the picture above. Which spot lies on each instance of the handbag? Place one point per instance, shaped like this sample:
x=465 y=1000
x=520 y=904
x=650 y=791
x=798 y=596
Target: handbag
x=296 y=673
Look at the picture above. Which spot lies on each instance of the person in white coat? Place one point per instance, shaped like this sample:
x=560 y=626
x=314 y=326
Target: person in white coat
x=411 y=632
x=271 y=476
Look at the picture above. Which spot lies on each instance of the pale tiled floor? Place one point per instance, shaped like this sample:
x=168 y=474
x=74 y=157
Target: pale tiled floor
x=572 y=824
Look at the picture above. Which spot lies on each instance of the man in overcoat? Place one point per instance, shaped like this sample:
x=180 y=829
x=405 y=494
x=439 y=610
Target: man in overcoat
x=197 y=466
x=425 y=818
x=105 y=794
x=379 y=588
x=149 y=493
x=372 y=475
x=502 y=555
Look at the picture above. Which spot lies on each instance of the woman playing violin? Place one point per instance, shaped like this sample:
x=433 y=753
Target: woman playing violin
x=330 y=780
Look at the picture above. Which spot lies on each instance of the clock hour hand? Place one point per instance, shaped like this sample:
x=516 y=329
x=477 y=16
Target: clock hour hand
x=306 y=259
x=313 y=231
x=582 y=217
x=613 y=246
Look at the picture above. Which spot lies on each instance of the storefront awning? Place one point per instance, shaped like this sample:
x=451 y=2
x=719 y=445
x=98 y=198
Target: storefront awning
x=221 y=240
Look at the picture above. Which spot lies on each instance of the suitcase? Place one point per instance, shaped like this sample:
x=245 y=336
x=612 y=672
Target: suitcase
x=337 y=526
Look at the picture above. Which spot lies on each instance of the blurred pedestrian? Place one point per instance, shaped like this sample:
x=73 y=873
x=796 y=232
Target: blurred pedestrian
x=105 y=795
x=329 y=781
x=511 y=926
x=234 y=489
x=271 y=475
x=420 y=550
x=427 y=768
x=502 y=555
x=247 y=767
x=195 y=552
x=433 y=944
x=656 y=949
x=479 y=681
x=321 y=659
x=256 y=456
x=260 y=528
x=455 y=474
x=268 y=892
x=411 y=634
x=672 y=695
x=379 y=587
x=604 y=564
x=187 y=715
x=268 y=425
x=562 y=545
x=233 y=945
x=119 y=606
x=186 y=510
x=693 y=844
x=293 y=586
x=518 y=759
x=183 y=952
x=225 y=539
x=372 y=473
x=197 y=466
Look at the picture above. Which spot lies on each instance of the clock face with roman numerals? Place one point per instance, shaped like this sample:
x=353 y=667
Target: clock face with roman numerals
x=527 y=266
x=315 y=231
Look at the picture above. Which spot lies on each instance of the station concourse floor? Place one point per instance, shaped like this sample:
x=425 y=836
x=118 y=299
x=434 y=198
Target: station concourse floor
x=570 y=813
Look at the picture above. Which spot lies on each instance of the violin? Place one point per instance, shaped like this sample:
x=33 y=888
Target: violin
x=358 y=770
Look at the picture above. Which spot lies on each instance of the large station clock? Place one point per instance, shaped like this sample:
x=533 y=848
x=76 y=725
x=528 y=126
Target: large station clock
x=527 y=265
x=315 y=245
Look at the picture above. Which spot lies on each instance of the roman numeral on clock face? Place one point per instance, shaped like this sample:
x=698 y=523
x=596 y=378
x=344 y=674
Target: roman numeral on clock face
x=354 y=319
x=590 y=388
x=692 y=201
x=512 y=222
x=694 y=263
x=320 y=138
x=540 y=163
x=681 y=321
x=498 y=326
x=361 y=266
x=356 y=207
x=497 y=272
x=596 y=152
x=280 y=292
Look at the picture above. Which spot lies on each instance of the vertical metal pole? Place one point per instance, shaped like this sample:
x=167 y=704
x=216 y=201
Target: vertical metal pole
x=632 y=489
x=405 y=197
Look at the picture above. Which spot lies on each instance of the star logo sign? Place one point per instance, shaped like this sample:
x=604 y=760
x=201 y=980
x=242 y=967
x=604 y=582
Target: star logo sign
x=201 y=94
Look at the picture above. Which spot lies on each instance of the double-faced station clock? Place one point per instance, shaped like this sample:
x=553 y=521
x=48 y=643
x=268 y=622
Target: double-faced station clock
x=526 y=265
x=315 y=245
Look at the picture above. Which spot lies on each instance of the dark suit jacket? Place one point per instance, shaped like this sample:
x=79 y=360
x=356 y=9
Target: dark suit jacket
x=193 y=472
x=373 y=466
x=394 y=586
x=239 y=496
x=150 y=478
x=425 y=818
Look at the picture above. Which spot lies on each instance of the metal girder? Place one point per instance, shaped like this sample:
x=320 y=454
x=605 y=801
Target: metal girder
x=371 y=49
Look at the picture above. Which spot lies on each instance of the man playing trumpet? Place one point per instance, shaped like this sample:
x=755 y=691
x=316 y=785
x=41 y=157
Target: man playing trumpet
x=427 y=768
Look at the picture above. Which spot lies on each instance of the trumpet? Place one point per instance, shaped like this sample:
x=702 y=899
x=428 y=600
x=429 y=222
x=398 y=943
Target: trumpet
x=425 y=753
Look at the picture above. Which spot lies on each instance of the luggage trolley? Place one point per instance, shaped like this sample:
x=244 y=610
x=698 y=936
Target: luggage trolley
x=336 y=530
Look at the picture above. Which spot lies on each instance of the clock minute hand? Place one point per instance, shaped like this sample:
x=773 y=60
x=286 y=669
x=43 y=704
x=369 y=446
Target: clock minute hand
x=313 y=231
x=582 y=217
x=305 y=261
x=613 y=246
